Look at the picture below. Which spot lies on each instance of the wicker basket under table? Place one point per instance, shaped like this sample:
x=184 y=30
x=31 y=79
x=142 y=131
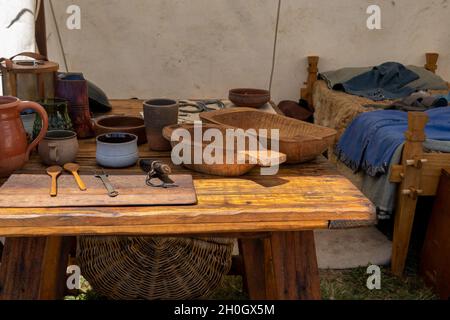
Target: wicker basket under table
x=154 y=268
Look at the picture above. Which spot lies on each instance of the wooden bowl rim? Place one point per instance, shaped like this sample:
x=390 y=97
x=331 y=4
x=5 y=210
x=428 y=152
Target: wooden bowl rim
x=250 y=92
x=210 y=117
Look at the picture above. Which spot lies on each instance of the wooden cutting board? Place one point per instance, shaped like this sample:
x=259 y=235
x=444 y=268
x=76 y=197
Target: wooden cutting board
x=32 y=191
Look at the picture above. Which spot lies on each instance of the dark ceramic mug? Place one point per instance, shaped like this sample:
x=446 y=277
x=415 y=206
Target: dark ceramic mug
x=159 y=113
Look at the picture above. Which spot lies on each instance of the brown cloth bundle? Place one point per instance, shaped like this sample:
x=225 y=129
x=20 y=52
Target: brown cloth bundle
x=300 y=111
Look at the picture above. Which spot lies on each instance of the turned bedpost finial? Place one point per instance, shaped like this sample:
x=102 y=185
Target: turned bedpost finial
x=313 y=62
x=313 y=70
x=416 y=126
x=432 y=59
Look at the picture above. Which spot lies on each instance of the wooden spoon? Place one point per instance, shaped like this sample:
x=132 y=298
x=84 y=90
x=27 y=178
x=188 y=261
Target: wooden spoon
x=54 y=172
x=73 y=168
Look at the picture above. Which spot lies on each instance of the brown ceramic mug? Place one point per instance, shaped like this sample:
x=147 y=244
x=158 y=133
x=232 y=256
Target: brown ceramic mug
x=58 y=147
x=159 y=113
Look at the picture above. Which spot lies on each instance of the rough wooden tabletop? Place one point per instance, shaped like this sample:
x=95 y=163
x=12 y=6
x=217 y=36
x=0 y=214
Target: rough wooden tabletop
x=300 y=197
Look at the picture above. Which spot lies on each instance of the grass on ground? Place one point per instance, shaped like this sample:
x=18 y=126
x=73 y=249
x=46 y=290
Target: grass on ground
x=335 y=285
x=347 y=285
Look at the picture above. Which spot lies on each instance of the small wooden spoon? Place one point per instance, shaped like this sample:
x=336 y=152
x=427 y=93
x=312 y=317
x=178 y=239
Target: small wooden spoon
x=54 y=172
x=73 y=168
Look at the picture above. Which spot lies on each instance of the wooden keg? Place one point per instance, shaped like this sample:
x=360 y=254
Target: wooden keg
x=32 y=79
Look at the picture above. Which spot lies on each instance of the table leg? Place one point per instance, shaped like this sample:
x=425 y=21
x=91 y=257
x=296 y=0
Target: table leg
x=258 y=268
x=34 y=268
x=1 y=249
x=283 y=266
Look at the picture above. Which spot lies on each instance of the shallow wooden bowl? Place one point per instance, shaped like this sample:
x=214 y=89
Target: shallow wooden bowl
x=124 y=124
x=250 y=98
x=300 y=141
x=225 y=170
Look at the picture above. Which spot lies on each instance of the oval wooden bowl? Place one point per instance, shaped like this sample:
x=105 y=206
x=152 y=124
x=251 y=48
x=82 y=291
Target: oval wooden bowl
x=226 y=170
x=250 y=98
x=124 y=124
x=300 y=141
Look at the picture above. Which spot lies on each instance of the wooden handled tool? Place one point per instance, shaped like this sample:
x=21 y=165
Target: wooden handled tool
x=54 y=172
x=73 y=169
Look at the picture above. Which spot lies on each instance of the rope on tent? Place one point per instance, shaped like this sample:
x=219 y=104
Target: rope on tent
x=59 y=36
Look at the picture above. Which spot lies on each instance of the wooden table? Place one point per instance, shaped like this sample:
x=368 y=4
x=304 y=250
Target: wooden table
x=273 y=216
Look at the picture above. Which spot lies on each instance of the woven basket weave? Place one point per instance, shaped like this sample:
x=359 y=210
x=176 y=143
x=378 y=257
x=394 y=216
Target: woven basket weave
x=129 y=268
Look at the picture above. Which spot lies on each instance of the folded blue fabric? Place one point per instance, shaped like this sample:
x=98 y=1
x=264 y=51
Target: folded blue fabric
x=386 y=81
x=371 y=139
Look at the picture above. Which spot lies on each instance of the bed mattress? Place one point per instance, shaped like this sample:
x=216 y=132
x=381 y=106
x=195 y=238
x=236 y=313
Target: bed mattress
x=335 y=109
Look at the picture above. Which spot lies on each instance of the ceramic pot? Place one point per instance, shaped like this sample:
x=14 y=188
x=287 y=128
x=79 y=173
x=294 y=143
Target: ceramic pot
x=58 y=147
x=75 y=91
x=14 y=147
x=117 y=150
x=159 y=113
x=250 y=98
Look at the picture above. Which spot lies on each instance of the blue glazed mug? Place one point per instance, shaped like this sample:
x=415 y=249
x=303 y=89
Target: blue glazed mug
x=117 y=150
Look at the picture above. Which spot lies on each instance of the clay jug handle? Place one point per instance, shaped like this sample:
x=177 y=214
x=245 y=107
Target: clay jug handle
x=43 y=114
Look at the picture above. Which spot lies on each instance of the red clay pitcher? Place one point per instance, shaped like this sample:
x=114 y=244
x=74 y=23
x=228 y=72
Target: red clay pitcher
x=14 y=147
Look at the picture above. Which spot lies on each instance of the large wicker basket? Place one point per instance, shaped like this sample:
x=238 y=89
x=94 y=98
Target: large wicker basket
x=154 y=268
x=298 y=140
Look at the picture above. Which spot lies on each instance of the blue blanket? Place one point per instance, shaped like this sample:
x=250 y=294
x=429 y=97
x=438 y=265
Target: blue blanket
x=371 y=139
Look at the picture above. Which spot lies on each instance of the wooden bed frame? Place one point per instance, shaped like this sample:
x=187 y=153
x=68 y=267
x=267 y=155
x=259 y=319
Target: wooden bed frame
x=418 y=174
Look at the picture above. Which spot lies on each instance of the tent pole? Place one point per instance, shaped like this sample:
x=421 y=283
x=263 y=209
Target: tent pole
x=40 y=29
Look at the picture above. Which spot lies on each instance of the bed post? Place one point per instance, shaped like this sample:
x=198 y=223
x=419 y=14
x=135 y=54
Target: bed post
x=432 y=59
x=306 y=93
x=410 y=189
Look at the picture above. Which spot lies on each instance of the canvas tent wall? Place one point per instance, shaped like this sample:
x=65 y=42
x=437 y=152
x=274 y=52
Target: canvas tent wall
x=202 y=48
x=17 y=27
